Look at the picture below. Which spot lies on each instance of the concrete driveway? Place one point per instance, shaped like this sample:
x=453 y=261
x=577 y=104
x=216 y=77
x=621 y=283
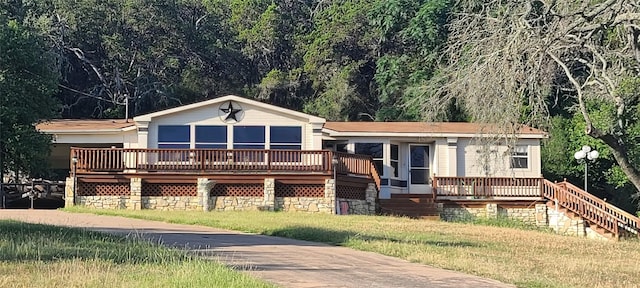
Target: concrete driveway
x=285 y=262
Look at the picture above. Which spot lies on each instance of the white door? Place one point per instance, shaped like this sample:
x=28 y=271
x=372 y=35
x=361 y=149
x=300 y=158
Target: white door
x=419 y=164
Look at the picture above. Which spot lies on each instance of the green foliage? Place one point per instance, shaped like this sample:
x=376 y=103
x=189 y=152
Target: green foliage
x=411 y=33
x=28 y=79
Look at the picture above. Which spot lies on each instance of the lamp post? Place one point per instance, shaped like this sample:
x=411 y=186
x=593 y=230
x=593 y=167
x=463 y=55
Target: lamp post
x=334 y=163
x=589 y=154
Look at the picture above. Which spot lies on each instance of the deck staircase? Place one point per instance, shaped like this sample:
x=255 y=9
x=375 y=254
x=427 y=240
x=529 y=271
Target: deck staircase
x=418 y=206
x=602 y=217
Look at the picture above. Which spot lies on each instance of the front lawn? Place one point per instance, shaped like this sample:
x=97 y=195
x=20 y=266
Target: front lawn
x=33 y=255
x=527 y=258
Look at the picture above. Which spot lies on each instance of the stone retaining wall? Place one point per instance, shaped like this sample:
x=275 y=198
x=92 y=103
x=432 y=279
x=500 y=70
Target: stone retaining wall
x=562 y=224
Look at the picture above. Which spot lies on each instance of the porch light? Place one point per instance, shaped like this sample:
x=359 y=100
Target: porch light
x=586 y=153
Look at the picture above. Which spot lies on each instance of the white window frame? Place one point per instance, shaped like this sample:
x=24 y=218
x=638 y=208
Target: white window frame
x=396 y=173
x=355 y=143
x=520 y=152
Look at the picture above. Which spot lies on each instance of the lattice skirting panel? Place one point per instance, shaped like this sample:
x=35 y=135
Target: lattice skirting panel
x=169 y=189
x=351 y=192
x=242 y=190
x=299 y=190
x=102 y=189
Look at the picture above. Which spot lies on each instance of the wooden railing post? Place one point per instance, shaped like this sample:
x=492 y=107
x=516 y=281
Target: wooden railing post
x=434 y=187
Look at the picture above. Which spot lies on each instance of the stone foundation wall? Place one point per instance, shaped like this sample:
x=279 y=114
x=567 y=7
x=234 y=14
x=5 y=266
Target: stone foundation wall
x=304 y=204
x=354 y=206
x=449 y=213
x=535 y=215
x=104 y=202
x=230 y=203
x=203 y=201
x=526 y=215
x=167 y=203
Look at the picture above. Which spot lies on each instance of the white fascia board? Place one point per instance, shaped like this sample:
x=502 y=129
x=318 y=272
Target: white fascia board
x=150 y=116
x=76 y=132
x=429 y=135
x=130 y=128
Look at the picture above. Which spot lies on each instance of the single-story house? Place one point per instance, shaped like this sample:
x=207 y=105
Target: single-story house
x=406 y=154
x=233 y=153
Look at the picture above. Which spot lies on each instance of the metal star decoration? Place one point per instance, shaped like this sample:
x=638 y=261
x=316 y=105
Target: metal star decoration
x=230 y=112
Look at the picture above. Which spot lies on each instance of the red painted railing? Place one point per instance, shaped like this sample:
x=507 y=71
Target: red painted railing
x=486 y=187
x=592 y=208
x=95 y=160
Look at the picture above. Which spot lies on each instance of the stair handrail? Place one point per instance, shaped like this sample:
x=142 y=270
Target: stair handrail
x=627 y=218
x=605 y=220
x=612 y=217
x=375 y=175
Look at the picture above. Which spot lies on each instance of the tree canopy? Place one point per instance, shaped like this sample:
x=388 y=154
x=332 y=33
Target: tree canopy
x=522 y=61
x=28 y=79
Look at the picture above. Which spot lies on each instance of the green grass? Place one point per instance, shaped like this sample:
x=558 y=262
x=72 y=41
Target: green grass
x=527 y=258
x=33 y=255
x=504 y=222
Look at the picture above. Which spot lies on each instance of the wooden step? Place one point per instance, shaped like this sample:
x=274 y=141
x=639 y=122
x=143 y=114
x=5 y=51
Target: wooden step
x=396 y=196
x=409 y=207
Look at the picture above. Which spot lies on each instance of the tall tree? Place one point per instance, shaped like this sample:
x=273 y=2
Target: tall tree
x=509 y=61
x=28 y=80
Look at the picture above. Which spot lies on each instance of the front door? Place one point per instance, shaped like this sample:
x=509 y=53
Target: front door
x=419 y=181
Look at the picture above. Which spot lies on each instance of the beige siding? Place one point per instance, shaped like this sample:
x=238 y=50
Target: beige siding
x=307 y=131
x=441 y=158
x=471 y=160
x=89 y=138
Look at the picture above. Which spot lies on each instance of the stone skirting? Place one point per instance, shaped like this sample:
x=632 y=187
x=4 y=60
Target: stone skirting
x=533 y=214
x=231 y=203
x=305 y=204
x=104 y=202
x=168 y=203
x=361 y=207
x=204 y=201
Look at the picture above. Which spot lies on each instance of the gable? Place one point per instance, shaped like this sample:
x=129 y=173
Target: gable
x=249 y=110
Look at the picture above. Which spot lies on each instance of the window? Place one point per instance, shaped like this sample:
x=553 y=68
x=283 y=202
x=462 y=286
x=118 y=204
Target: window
x=174 y=136
x=375 y=150
x=211 y=137
x=394 y=160
x=520 y=157
x=248 y=137
x=286 y=138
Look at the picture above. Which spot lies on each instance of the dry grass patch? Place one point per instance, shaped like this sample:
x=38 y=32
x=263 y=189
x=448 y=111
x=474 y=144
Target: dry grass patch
x=522 y=257
x=48 y=256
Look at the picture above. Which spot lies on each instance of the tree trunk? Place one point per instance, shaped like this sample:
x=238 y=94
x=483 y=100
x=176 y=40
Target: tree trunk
x=619 y=152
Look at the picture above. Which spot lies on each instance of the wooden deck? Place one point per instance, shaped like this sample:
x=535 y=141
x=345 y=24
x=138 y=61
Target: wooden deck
x=222 y=165
x=122 y=160
x=487 y=187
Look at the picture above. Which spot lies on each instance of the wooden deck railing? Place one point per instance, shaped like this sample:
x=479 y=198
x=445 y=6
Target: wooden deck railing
x=94 y=160
x=592 y=208
x=486 y=187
